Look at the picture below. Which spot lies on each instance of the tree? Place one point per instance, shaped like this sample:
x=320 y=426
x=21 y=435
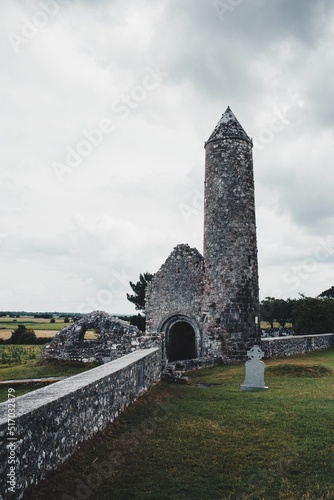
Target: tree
x=21 y=335
x=267 y=310
x=312 y=316
x=279 y=310
x=52 y=320
x=139 y=289
x=328 y=294
x=139 y=322
x=284 y=311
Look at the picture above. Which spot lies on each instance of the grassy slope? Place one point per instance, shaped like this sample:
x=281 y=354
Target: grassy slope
x=208 y=440
x=35 y=370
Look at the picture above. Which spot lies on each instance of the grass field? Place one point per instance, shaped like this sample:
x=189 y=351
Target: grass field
x=208 y=440
x=24 y=362
x=42 y=327
x=5 y=334
x=33 y=323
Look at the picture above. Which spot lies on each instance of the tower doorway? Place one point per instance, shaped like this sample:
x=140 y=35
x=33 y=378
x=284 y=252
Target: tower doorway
x=181 y=342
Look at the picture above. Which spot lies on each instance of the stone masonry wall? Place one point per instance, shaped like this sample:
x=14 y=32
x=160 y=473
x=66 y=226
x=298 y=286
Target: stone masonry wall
x=230 y=250
x=219 y=291
x=115 y=338
x=298 y=344
x=52 y=421
x=176 y=288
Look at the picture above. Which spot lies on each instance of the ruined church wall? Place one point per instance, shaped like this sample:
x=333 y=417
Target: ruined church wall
x=176 y=289
x=52 y=421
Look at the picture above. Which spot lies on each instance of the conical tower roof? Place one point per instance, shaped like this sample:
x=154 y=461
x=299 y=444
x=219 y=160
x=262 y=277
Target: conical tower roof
x=228 y=127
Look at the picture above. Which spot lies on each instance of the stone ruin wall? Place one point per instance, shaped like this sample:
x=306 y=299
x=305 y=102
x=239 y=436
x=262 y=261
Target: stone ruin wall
x=115 y=338
x=176 y=288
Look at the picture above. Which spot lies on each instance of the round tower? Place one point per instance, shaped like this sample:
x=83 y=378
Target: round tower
x=231 y=291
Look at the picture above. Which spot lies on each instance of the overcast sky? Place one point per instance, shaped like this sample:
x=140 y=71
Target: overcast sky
x=105 y=107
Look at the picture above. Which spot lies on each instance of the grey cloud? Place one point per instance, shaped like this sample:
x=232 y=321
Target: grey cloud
x=259 y=57
x=309 y=203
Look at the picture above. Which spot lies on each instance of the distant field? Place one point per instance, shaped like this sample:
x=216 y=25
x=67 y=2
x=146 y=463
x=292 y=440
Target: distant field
x=6 y=333
x=28 y=318
x=42 y=327
x=33 y=324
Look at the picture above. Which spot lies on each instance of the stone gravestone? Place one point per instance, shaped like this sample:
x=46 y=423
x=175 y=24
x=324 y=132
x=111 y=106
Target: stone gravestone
x=254 y=379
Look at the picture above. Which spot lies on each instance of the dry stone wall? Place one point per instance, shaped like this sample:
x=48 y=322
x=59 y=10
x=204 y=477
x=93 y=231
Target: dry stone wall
x=298 y=344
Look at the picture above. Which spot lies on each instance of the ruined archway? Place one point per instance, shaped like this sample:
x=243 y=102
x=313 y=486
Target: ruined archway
x=182 y=338
x=181 y=342
x=96 y=337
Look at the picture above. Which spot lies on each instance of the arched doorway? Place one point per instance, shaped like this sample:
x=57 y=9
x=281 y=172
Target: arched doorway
x=181 y=341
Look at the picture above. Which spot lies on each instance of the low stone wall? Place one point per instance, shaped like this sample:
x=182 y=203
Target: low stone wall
x=44 y=427
x=297 y=344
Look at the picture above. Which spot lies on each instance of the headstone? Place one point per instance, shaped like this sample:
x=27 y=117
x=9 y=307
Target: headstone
x=254 y=378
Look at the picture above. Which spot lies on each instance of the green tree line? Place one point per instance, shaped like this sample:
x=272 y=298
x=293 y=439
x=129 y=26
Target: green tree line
x=307 y=315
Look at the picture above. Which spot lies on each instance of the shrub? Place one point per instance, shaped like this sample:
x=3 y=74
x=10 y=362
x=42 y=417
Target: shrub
x=22 y=336
x=138 y=321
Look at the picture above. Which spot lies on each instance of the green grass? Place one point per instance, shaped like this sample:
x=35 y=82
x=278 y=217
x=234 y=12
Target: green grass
x=17 y=354
x=209 y=440
x=30 y=365
x=43 y=369
x=32 y=325
x=293 y=370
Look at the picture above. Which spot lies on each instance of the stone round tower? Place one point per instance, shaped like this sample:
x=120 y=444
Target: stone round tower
x=231 y=293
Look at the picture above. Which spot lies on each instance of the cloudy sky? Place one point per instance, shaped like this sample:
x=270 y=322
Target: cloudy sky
x=105 y=107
